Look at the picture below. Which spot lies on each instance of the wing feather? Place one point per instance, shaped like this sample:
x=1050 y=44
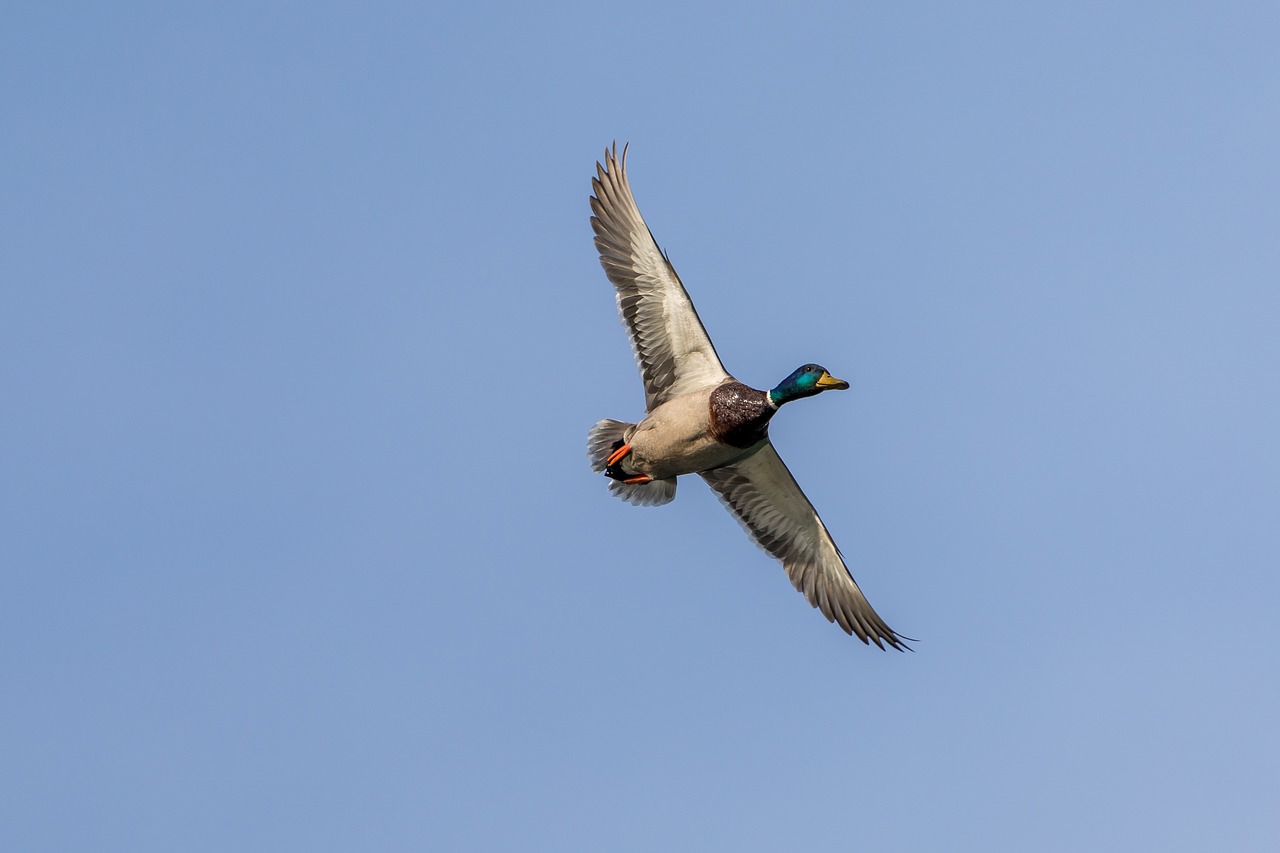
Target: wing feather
x=767 y=500
x=671 y=345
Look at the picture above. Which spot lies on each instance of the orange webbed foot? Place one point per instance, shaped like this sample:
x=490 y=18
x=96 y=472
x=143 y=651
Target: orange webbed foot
x=618 y=455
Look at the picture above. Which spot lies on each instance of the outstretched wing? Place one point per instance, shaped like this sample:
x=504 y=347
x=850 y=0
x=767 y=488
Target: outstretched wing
x=671 y=346
x=767 y=500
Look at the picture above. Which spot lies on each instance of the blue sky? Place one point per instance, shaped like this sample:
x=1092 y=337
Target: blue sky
x=302 y=328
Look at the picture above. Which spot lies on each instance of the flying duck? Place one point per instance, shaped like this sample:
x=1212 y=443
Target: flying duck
x=700 y=420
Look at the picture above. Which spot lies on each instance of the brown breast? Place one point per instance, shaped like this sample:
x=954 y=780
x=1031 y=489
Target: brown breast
x=740 y=414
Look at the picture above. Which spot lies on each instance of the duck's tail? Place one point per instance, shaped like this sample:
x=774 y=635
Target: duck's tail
x=605 y=438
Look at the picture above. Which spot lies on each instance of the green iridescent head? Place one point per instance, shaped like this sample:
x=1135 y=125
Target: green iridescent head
x=805 y=382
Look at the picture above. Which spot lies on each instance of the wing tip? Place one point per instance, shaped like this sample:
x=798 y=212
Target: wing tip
x=611 y=194
x=881 y=634
x=612 y=162
x=866 y=626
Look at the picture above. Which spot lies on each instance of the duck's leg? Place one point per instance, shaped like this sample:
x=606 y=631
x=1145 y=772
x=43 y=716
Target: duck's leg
x=613 y=467
x=618 y=455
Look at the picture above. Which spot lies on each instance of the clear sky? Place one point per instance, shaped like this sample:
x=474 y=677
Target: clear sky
x=302 y=329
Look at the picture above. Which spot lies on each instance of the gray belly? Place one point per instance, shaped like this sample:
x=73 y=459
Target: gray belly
x=673 y=440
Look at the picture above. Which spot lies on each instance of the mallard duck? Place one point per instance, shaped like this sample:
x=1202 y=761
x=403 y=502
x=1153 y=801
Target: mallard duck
x=700 y=420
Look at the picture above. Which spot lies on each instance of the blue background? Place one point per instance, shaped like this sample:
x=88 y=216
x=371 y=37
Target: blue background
x=302 y=329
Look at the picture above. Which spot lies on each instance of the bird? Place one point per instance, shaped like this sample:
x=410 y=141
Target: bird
x=701 y=420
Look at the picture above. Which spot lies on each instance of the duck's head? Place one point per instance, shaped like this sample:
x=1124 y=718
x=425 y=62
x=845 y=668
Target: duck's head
x=805 y=382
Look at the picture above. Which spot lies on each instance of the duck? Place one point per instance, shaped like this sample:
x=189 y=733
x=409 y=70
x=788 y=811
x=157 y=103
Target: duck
x=701 y=420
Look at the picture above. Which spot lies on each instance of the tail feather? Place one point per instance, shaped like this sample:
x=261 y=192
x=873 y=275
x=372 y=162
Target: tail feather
x=607 y=436
x=652 y=493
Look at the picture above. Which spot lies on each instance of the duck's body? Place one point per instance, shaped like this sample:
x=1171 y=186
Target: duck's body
x=701 y=420
x=697 y=431
x=678 y=437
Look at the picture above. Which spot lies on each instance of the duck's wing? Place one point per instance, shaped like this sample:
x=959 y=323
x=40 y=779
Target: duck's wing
x=767 y=500
x=670 y=344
